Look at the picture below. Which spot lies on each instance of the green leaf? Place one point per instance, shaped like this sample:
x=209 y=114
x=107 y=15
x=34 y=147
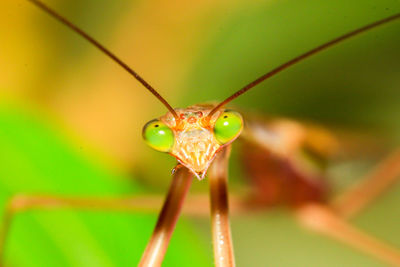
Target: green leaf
x=36 y=159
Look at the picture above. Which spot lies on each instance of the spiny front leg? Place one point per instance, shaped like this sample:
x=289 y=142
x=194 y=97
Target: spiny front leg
x=222 y=240
x=158 y=244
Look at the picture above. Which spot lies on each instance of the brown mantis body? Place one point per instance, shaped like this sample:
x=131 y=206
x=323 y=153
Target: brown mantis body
x=309 y=202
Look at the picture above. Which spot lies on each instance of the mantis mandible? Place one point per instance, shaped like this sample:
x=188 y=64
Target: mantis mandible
x=203 y=140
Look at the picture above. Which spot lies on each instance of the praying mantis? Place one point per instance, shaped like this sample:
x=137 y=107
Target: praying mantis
x=179 y=170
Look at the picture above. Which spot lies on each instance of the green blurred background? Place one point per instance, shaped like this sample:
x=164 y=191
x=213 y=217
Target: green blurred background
x=70 y=119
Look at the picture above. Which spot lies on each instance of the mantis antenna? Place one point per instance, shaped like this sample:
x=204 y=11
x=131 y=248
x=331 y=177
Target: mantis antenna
x=301 y=58
x=91 y=40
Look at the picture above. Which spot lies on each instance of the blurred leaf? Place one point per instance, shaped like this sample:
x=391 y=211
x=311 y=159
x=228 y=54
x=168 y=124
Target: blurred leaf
x=35 y=158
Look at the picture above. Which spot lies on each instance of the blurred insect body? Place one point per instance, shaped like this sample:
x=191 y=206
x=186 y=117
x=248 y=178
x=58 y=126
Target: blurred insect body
x=200 y=135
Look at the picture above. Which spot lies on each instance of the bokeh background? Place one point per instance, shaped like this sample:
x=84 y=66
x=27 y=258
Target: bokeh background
x=70 y=119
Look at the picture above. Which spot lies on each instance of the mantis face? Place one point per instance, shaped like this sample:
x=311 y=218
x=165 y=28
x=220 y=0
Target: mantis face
x=194 y=139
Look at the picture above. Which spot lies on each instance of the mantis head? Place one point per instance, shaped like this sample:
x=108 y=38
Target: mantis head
x=194 y=138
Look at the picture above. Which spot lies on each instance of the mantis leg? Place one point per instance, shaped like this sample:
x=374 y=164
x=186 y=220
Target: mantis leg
x=158 y=244
x=222 y=240
x=375 y=183
x=331 y=220
x=22 y=203
x=195 y=206
x=324 y=220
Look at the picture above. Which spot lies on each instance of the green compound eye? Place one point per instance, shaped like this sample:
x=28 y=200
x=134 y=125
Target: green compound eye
x=158 y=135
x=228 y=126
